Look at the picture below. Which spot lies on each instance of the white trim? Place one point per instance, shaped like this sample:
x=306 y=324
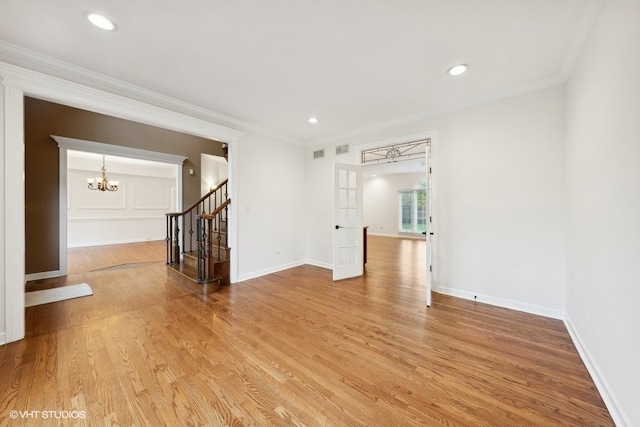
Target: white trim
x=233 y=176
x=523 y=89
x=616 y=411
x=116 y=242
x=119 y=218
x=587 y=21
x=501 y=302
x=138 y=190
x=64 y=205
x=116 y=150
x=220 y=124
x=44 y=275
x=178 y=199
x=270 y=270
x=55 y=89
x=20 y=81
x=320 y=264
x=2 y=338
x=90 y=201
x=14 y=226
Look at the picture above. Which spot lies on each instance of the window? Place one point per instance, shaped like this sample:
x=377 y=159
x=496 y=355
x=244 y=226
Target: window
x=412 y=209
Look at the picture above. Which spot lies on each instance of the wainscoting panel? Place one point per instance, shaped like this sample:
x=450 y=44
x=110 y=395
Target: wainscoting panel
x=151 y=197
x=99 y=200
x=112 y=231
x=134 y=213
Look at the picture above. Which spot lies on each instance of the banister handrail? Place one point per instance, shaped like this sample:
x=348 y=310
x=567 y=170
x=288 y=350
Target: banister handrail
x=210 y=215
x=217 y=211
x=180 y=225
x=202 y=199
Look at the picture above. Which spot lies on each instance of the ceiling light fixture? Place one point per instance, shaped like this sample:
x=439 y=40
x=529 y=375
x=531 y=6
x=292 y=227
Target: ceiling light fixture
x=456 y=70
x=312 y=120
x=102 y=183
x=101 y=21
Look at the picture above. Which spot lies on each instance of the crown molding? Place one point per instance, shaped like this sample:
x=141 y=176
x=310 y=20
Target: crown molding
x=587 y=21
x=58 y=90
x=583 y=29
x=34 y=61
x=428 y=114
x=24 y=67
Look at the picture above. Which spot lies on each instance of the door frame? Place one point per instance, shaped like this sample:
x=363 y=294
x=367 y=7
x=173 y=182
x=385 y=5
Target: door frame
x=431 y=239
x=65 y=144
x=18 y=82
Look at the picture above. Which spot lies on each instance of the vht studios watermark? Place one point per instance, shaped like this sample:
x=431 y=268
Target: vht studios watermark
x=47 y=415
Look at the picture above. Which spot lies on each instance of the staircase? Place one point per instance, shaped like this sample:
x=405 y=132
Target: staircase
x=198 y=255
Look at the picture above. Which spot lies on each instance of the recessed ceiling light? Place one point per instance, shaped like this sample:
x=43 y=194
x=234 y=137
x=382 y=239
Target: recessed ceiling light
x=456 y=70
x=312 y=120
x=101 y=21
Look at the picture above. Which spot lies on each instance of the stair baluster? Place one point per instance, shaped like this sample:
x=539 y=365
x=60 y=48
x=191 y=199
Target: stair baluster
x=212 y=266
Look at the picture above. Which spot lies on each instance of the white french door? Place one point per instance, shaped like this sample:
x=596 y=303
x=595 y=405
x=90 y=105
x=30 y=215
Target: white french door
x=429 y=226
x=347 y=216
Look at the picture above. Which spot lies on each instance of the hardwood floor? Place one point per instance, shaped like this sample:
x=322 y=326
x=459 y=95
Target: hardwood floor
x=291 y=348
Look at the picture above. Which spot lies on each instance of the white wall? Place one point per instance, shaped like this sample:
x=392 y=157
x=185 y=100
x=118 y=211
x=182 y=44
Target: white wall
x=213 y=170
x=603 y=206
x=134 y=213
x=380 y=201
x=498 y=201
x=271 y=193
x=2 y=224
x=319 y=204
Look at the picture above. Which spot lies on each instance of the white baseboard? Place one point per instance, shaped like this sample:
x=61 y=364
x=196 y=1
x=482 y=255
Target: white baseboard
x=116 y=242
x=43 y=275
x=3 y=339
x=319 y=264
x=254 y=274
x=615 y=409
x=501 y=302
x=397 y=236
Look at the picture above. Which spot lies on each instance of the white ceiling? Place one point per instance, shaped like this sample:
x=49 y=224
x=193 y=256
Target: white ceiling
x=268 y=65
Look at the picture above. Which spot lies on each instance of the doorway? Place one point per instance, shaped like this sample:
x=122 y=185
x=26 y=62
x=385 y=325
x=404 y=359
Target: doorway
x=125 y=155
x=25 y=82
x=398 y=193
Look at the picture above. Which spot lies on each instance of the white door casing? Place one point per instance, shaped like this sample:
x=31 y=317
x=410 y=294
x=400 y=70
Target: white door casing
x=347 y=216
x=17 y=82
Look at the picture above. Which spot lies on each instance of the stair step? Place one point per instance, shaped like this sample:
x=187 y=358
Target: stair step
x=187 y=275
x=191 y=258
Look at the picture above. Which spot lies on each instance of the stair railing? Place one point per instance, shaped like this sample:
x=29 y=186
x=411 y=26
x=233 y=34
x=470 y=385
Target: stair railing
x=181 y=235
x=210 y=229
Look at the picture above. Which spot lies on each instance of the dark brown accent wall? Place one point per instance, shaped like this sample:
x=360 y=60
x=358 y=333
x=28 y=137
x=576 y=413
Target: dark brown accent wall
x=42 y=119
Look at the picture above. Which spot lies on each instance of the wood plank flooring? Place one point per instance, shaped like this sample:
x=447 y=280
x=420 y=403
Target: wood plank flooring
x=290 y=348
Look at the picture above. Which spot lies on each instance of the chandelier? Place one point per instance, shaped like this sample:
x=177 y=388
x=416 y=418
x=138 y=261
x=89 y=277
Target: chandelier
x=102 y=183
